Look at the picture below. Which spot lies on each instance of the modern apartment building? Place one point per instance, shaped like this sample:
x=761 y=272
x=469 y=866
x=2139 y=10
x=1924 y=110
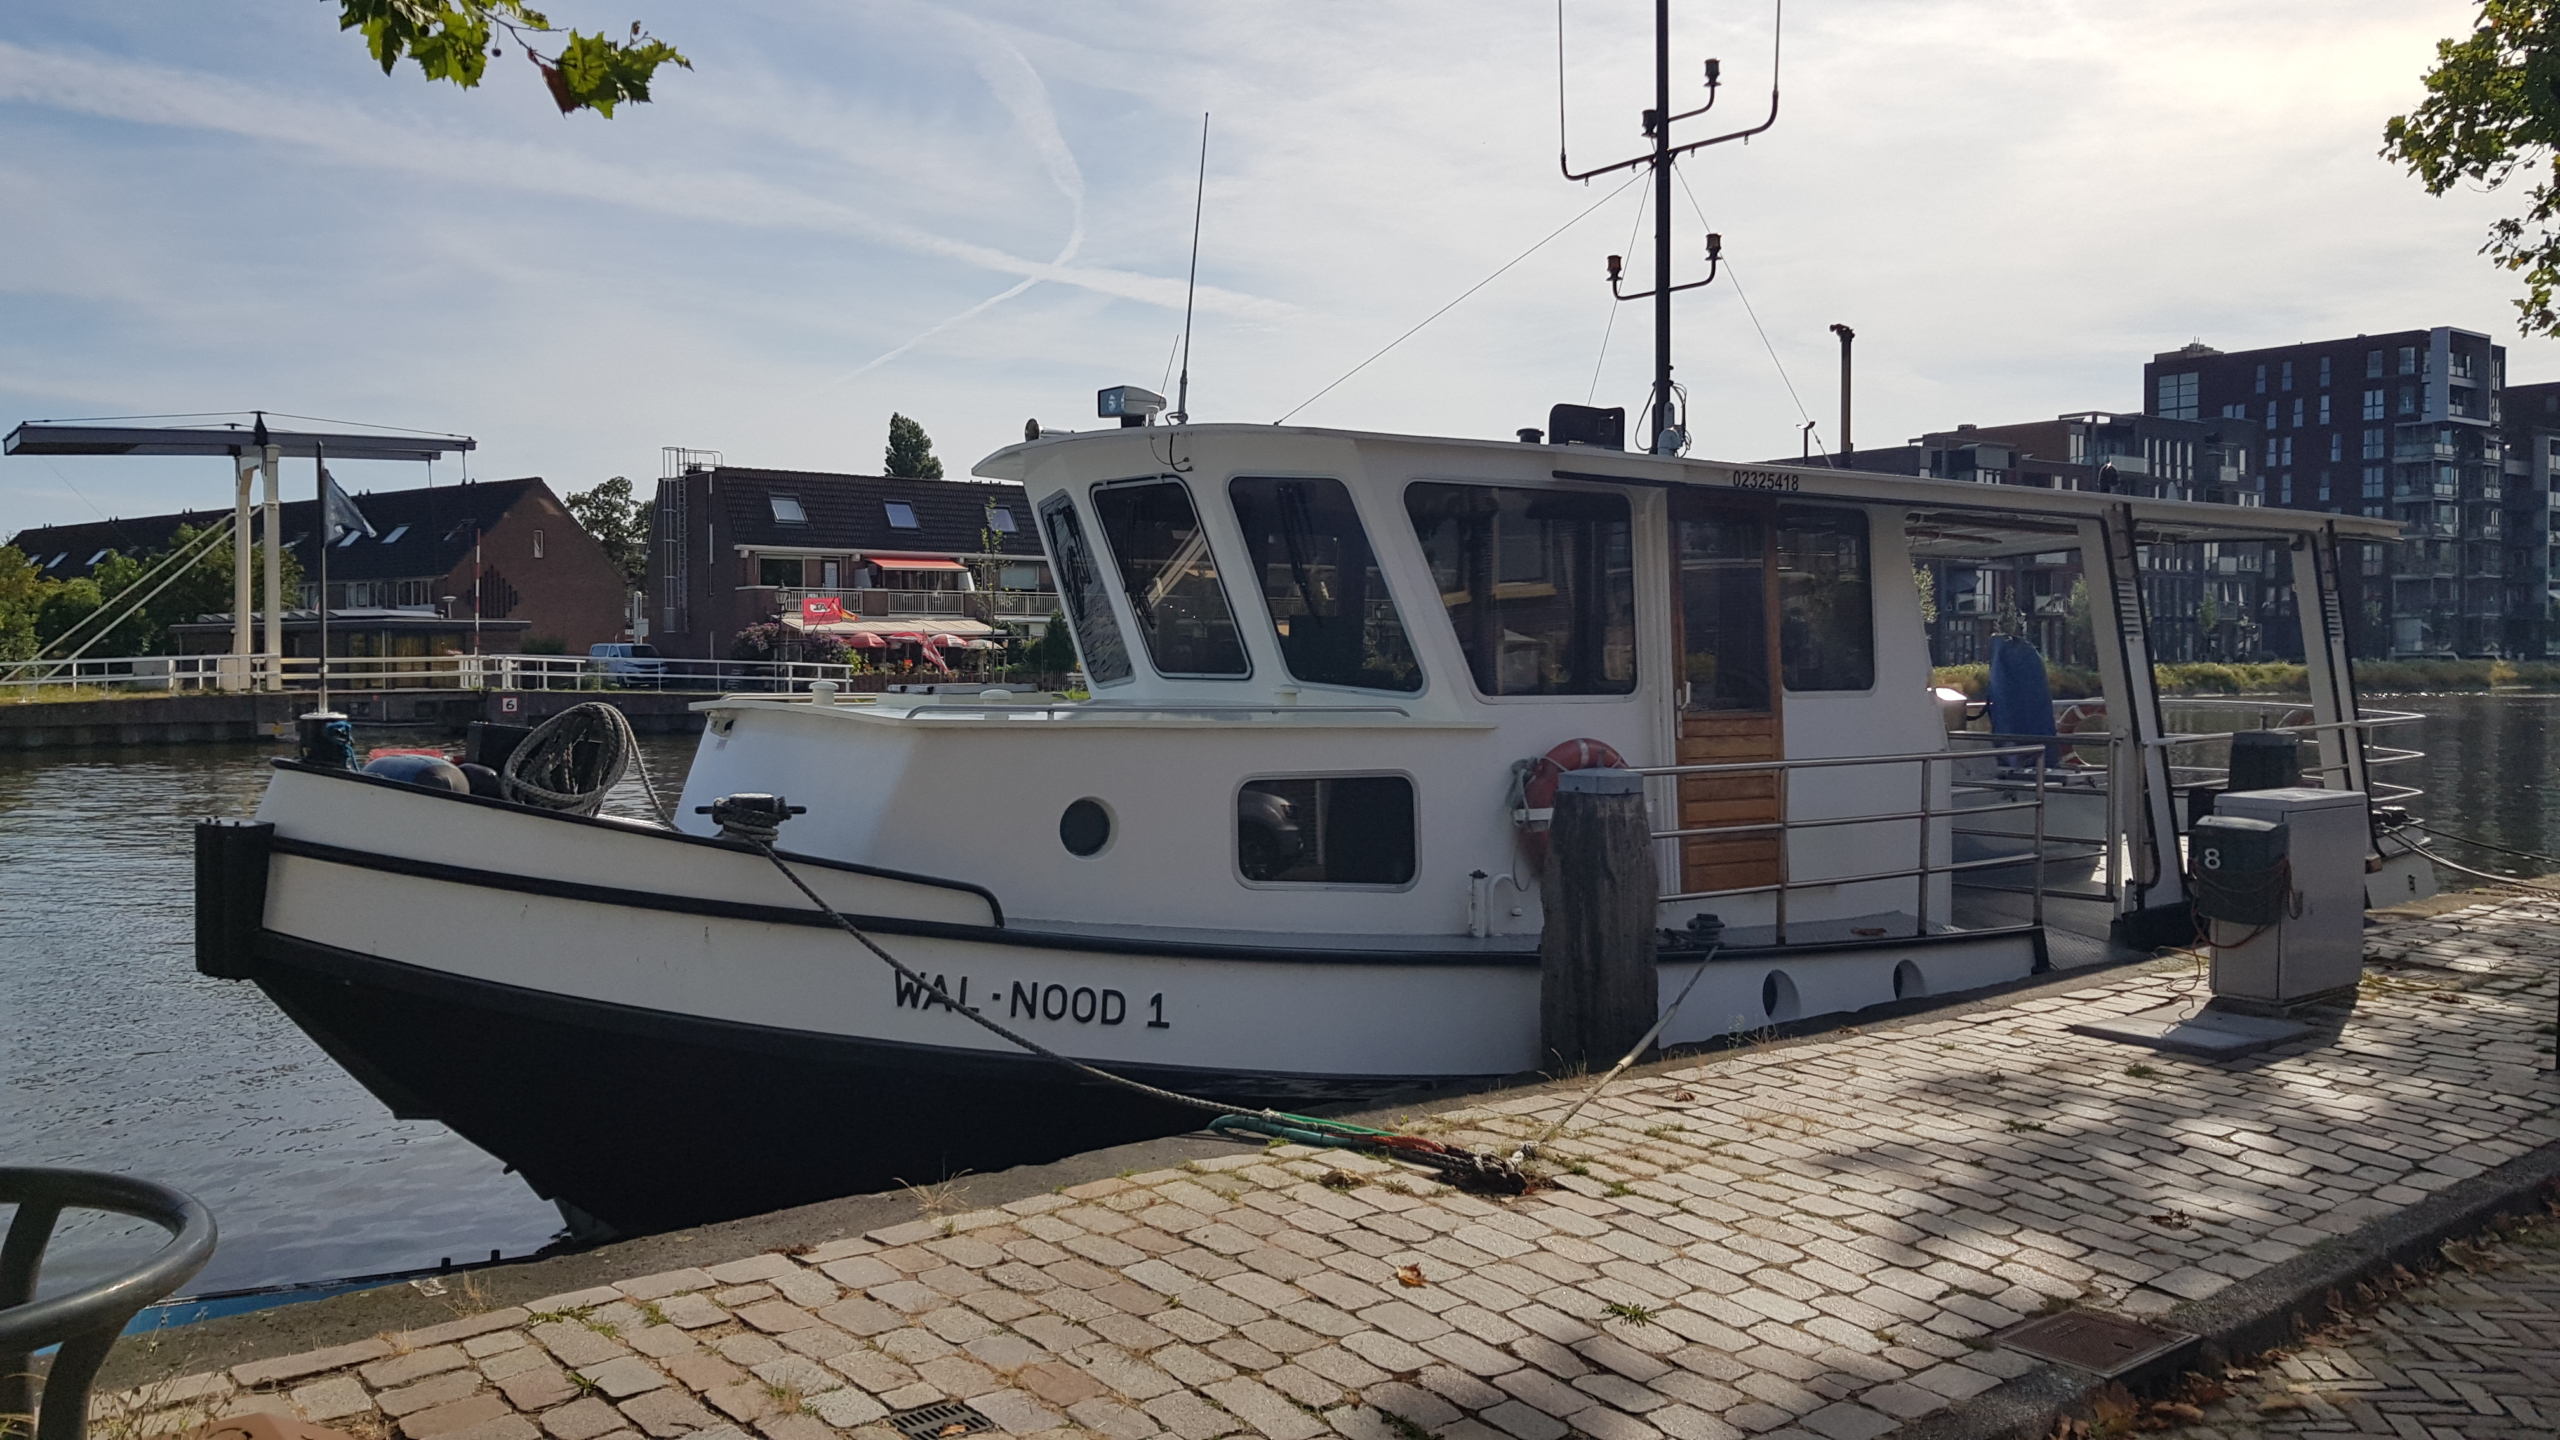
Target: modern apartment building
x=2407 y=425
x=2204 y=601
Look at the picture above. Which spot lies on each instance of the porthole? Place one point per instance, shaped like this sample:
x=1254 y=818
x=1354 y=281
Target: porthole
x=1085 y=828
x=1778 y=997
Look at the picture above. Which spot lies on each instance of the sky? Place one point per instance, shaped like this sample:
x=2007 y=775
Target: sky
x=978 y=214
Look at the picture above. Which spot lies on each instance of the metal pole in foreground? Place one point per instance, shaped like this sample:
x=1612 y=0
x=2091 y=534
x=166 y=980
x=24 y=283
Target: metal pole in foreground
x=1659 y=122
x=1848 y=447
x=327 y=535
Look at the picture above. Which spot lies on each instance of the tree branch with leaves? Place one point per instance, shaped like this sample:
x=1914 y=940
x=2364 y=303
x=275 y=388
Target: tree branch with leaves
x=2492 y=114
x=456 y=39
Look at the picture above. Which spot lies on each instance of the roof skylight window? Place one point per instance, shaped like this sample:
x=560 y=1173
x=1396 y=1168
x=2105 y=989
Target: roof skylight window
x=101 y=555
x=902 y=516
x=1000 y=517
x=786 y=510
x=396 y=532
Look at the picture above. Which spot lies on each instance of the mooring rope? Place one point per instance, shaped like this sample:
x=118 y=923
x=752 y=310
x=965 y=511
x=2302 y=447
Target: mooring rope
x=1529 y=1149
x=1468 y=1169
x=545 y=771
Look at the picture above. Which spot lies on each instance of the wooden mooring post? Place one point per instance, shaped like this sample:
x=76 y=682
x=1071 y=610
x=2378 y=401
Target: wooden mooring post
x=1598 y=992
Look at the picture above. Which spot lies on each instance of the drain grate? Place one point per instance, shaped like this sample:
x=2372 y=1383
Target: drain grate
x=2105 y=1345
x=942 y=1420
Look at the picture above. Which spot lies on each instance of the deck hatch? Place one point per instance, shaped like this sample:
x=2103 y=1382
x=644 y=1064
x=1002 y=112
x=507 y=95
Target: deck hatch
x=941 y=1420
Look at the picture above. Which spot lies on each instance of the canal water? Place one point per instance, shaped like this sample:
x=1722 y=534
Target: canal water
x=116 y=1055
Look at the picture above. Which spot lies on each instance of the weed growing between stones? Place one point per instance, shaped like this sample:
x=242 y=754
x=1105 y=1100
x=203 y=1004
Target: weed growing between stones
x=1632 y=1314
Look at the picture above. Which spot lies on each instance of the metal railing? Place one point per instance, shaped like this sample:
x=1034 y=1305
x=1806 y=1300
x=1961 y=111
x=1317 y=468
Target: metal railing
x=27 y=680
x=1928 y=812
x=2290 y=717
x=86 y=1322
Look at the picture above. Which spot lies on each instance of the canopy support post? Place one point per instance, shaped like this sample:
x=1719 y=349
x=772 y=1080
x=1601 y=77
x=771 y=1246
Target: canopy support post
x=2138 y=770
x=2330 y=671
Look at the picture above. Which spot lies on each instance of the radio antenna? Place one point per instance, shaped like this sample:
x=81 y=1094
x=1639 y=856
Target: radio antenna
x=1182 y=397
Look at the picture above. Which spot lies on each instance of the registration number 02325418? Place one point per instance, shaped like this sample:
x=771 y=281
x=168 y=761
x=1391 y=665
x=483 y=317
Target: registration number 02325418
x=1034 y=1000
x=1762 y=480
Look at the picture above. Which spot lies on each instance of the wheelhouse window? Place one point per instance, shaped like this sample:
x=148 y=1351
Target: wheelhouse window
x=1336 y=623
x=1326 y=830
x=1539 y=583
x=1171 y=579
x=1724 y=615
x=1826 y=609
x=1080 y=596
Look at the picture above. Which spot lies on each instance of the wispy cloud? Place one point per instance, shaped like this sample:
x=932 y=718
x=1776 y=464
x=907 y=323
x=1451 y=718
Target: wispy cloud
x=150 y=95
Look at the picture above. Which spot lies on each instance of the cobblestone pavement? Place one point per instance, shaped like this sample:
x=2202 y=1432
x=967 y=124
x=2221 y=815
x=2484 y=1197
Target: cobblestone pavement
x=2471 y=1355
x=1806 y=1241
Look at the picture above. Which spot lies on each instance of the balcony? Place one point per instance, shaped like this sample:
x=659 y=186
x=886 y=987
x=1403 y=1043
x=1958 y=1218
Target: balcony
x=924 y=604
x=2425 y=450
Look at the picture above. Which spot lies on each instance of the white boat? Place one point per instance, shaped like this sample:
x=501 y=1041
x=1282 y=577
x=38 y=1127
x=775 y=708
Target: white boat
x=1277 y=857
x=1285 y=853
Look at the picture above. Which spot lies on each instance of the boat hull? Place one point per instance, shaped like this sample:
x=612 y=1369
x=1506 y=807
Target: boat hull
x=657 y=1030
x=646 y=1120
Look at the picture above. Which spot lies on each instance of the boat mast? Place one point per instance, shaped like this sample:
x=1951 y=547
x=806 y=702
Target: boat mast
x=1666 y=437
x=1657 y=124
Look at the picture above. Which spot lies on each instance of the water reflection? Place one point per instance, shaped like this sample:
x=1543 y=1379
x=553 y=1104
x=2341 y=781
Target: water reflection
x=2488 y=774
x=116 y=1055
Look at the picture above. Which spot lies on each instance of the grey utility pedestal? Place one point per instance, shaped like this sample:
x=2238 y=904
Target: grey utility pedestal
x=2316 y=954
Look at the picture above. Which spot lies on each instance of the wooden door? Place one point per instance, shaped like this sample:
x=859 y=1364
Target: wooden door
x=1728 y=697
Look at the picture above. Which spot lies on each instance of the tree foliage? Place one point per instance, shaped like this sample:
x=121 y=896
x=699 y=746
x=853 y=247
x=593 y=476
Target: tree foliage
x=620 y=524
x=22 y=589
x=2492 y=114
x=36 y=612
x=910 y=455
x=456 y=39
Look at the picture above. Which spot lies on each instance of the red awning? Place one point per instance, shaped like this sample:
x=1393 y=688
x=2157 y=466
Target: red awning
x=891 y=563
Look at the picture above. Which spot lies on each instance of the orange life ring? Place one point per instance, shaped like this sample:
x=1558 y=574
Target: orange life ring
x=1537 y=798
x=2072 y=718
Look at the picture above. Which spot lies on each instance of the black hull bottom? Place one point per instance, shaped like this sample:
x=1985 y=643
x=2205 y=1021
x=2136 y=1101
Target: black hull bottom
x=649 y=1121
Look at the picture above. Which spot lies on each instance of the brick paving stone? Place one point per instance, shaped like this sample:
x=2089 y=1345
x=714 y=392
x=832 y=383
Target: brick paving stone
x=457 y=1416
x=542 y=1385
x=1264 y=1409
x=311 y=1362
x=504 y=1427
x=1190 y=1417
x=618 y=1379
x=575 y=1344
x=332 y=1399
x=435 y=1390
x=690 y=1311
x=663 y=1414
x=847 y=1408
x=582 y=1420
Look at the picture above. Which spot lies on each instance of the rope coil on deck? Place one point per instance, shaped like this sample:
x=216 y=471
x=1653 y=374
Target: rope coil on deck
x=571 y=760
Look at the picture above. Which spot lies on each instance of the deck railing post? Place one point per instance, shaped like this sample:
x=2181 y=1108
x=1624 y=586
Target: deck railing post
x=1598 y=990
x=1786 y=873
x=1924 y=846
x=2038 y=902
